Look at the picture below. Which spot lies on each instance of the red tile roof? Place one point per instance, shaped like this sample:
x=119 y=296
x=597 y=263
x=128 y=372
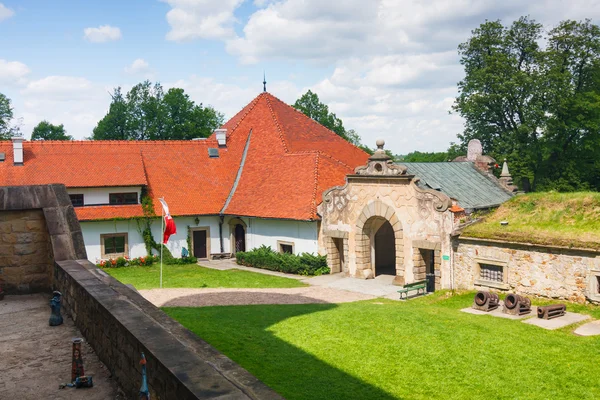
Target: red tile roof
x=92 y=213
x=290 y=161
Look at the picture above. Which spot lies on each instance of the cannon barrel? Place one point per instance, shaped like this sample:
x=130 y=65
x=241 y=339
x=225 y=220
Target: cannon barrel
x=486 y=301
x=552 y=311
x=512 y=300
x=516 y=305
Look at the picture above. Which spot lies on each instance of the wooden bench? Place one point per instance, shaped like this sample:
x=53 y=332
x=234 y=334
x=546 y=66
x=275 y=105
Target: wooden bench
x=420 y=285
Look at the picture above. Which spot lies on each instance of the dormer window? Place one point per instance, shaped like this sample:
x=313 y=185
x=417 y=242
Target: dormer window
x=123 y=198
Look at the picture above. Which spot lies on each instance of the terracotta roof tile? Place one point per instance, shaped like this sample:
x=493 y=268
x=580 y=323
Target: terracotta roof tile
x=93 y=213
x=290 y=161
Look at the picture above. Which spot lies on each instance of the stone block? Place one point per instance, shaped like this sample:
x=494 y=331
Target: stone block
x=5 y=226
x=61 y=195
x=24 y=249
x=55 y=221
x=62 y=247
x=37 y=225
x=78 y=245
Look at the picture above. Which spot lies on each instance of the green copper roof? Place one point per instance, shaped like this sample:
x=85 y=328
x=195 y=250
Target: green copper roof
x=461 y=181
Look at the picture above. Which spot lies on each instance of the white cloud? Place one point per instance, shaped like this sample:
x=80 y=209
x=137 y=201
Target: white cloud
x=59 y=87
x=205 y=19
x=5 y=12
x=12 y=72
x=138 y=66
x=104 y=33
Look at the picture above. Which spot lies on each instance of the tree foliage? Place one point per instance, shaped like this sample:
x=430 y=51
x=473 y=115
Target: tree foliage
x=310 y=105
x=7 y=127
x=537 y=107
x=146 y=112
x=47 y=131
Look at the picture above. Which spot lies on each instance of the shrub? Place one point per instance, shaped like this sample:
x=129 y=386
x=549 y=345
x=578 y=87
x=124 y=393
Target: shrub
x=264 y=257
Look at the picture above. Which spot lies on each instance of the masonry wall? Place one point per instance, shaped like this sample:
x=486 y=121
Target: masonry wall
x=120 y=324
x=529 y=269
x=25 y=252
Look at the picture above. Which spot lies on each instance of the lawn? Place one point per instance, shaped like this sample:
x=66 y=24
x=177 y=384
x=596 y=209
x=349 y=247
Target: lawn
x=562 y=219
x=195 y=276
x=381 y=349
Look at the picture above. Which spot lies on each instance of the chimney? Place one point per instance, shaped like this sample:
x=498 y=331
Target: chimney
x=221 y=135
x=18 y=150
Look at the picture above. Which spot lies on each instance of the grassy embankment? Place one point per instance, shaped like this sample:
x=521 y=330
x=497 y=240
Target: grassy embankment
x=558 y=219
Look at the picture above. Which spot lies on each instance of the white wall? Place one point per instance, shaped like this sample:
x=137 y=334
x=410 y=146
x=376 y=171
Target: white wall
x=100 y=195
x=258 y=232
x=268 y=231
x=93 y=229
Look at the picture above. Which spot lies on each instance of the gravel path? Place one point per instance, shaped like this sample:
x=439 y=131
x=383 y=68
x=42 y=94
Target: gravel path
x=227 y=297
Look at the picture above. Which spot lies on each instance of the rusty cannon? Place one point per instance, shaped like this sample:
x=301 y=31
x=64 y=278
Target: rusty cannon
x=486 y=301
x=553 y=311
x=516 y=305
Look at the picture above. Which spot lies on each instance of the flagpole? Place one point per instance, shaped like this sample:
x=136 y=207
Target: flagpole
x=162 y=226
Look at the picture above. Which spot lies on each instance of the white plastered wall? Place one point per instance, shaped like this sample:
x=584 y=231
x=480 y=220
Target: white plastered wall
x=99 y=195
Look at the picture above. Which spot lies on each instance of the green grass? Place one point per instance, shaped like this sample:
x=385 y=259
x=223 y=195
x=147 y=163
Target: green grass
x=381 y=349
x=195 y=276
x=560 y=219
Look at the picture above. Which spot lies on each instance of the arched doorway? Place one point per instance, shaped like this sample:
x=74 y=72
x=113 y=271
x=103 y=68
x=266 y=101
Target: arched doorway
x=384 y=246
x=239 y=235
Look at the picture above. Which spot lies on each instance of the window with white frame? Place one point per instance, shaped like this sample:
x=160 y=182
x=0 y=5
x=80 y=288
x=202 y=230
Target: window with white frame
x=285 y=247
x=114 y=245
x=491 y=273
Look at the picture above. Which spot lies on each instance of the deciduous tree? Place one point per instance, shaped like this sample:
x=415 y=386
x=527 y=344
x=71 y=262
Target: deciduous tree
x=537 y=107
x=7 y=126
x=47 y=131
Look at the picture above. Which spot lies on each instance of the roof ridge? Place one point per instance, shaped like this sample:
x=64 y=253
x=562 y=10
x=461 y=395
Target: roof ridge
x=322 y=153
x=253 y=104
x=279 y=128
x=114 y=142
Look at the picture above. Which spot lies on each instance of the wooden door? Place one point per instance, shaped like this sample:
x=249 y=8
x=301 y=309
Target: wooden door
x=200 y=244
x=240 y=238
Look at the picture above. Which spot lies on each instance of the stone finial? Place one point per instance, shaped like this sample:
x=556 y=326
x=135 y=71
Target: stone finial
x=474 y=150
x=380 y=143
x=506 y=178
x=380 y=163
x=505 y=172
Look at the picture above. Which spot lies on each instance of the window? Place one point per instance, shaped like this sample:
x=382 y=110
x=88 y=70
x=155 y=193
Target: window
x=114 y=245
x=598 y=285
x=123 y=198
x=491 y=273
x=593 y=291
x=285 y=247
x=76 y=200
x=494 y=273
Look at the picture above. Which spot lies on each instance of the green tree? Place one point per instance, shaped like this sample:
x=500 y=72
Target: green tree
x=47 y=131
x=539 y=108
x=7 y=127
x=310 y=105
x=147 y=113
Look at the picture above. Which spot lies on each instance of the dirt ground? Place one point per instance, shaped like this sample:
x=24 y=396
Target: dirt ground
x=35 y=357
x=227 y=297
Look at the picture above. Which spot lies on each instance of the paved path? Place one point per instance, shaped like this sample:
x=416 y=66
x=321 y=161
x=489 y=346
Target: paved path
x=35 y=357
x=322 y=289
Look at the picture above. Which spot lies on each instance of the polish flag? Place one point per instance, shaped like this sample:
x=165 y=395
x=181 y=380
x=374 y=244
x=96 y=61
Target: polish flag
x=170 y=227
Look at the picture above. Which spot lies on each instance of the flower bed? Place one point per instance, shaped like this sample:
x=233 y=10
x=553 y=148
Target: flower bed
x=143 y=261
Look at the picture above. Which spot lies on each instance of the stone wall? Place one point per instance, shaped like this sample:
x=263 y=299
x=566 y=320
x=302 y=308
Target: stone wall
x=25 y=252
x=552 y=272
x=115 y=320
x=120 y=324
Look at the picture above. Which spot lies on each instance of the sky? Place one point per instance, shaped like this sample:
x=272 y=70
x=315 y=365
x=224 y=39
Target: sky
x=388 y=68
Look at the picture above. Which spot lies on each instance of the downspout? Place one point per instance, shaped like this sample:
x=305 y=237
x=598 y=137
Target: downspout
x=233 y=188
x=221 y=218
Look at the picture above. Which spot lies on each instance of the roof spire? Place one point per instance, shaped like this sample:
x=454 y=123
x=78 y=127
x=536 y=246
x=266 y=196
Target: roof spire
x=264 y=82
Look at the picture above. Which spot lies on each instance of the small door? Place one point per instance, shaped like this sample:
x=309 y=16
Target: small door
x=200 y=244
x=240 y=238
x=430 y=270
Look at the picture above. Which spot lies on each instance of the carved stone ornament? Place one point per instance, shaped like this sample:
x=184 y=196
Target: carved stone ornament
x=380 y=164
x=439 y=200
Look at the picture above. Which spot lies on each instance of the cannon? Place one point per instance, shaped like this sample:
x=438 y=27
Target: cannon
x=516 y=305
x=553 y=311
x=486 y=301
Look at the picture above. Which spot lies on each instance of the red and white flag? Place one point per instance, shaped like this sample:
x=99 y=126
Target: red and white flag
x=170 y=227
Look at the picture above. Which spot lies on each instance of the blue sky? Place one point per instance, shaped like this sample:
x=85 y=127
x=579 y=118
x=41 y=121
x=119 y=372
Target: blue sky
x=388 y=68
